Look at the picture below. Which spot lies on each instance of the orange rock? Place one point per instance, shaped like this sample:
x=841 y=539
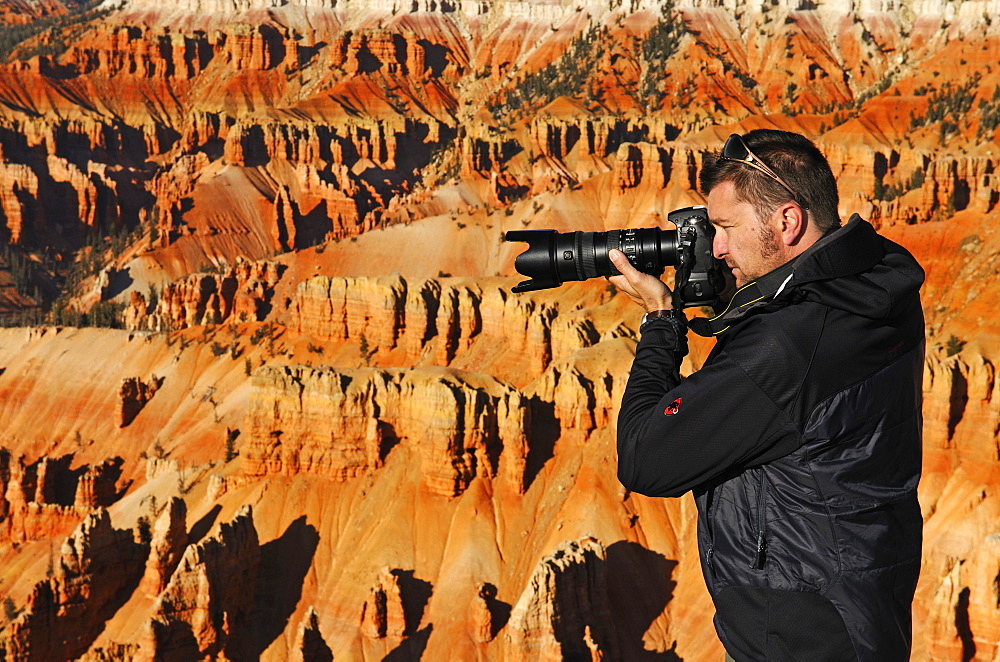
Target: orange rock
x=16 y=182
x=169 y=540
x=563 y=611
x=241 y=293
x=341 y=423
x=96 y=567
x=47 y=499
x=133 y=396
x=981 y=572
x=209 y=596
x=483 y=624
x=340 y=308
x=383 y=614
x=98 y=486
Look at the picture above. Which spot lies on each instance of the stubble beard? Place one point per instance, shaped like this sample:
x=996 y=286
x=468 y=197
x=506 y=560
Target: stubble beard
x=769 y=251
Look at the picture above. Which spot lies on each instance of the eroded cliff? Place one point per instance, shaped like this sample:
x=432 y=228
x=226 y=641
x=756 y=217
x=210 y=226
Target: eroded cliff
x=326 y=429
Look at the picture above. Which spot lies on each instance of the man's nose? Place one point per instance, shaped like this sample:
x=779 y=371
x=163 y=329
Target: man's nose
x=719 y=248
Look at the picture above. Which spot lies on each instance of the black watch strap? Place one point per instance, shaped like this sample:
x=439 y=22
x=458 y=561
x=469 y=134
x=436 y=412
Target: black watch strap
x=669 y=312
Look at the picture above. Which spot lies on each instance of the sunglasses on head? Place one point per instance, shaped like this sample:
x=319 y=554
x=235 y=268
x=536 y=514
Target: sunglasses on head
x=736 y=150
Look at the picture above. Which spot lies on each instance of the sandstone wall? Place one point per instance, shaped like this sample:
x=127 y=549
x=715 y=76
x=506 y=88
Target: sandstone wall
x=96 y=570
x=961 y=506
x=439 y=315
x=564 y=610
x=205 y=609
x=47 y=498
x=240 y=294
x=339 y=424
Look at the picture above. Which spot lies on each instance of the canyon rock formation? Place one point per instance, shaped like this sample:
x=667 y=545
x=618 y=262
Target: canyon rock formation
x=96 y=569
x=564 y=612
x=265 y=391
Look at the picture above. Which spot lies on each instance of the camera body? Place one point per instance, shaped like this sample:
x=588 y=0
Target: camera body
x=553 y=258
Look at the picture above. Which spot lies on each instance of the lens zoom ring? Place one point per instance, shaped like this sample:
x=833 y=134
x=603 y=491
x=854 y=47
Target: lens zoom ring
x=577 y=247
x=614 y=241
x=588 y=258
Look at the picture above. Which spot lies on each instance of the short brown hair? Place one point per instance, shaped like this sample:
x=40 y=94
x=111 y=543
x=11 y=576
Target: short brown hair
x=796 y=160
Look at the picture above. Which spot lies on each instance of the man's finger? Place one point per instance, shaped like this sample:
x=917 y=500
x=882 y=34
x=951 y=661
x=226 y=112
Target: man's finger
x=621 y=263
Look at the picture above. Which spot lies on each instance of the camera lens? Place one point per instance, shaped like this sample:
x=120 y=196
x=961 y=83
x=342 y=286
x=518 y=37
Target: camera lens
x=553 y=258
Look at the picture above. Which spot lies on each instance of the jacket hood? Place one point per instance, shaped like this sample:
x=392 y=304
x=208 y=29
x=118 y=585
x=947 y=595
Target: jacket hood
x=854 y=268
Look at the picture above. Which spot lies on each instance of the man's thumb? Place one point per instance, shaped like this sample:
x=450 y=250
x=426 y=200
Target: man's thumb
x=620 y=261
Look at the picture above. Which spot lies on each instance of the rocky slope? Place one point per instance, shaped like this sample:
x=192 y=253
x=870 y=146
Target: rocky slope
x=324 y=427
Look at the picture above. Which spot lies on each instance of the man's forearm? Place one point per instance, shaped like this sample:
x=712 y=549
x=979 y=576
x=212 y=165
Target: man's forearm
x=655 y=371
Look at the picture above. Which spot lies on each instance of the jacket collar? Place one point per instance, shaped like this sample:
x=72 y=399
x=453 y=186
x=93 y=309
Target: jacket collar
x=815 y=263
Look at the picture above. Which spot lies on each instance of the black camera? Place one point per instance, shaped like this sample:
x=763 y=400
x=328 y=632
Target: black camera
x=554 y=257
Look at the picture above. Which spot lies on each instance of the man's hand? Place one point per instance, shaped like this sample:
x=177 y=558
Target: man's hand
x=647 y=291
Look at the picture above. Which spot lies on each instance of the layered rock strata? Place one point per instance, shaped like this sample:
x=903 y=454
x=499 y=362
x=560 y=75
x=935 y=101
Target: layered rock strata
x=447 y=316
x=564 y=610
x=97 y=568
x=47 y=498
x=240 y=294
x=342 y=423
x=205 y=609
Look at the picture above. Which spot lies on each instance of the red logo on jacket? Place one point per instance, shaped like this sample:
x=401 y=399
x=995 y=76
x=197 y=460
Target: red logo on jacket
x=672 y=408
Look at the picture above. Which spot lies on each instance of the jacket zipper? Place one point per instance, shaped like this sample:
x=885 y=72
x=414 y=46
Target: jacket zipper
x=711 y=531
x=760 y=552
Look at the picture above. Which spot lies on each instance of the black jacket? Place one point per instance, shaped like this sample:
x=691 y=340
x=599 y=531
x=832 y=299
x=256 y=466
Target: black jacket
x=801 y=438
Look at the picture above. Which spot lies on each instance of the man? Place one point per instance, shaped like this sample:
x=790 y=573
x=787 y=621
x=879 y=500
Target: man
x=801 y=434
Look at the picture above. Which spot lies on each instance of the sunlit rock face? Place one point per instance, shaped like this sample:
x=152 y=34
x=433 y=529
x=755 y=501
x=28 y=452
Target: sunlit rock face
x=323 y=426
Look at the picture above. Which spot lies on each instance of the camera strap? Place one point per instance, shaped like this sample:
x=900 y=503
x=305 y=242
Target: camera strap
x=753 y=295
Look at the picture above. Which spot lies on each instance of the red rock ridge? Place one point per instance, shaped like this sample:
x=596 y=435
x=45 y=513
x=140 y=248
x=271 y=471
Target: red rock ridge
x=241 y=293
x=47 y=499
x=341 y=423
x=97 y=568
x=457 y=498
x=205 y=607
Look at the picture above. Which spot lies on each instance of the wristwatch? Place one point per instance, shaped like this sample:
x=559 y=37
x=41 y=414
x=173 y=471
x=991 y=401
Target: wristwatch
x=669 y=312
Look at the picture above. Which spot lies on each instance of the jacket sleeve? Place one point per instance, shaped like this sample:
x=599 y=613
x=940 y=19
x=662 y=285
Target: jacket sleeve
x=674 y=434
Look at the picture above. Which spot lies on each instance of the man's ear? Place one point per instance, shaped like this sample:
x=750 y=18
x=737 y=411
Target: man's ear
x=792 y=224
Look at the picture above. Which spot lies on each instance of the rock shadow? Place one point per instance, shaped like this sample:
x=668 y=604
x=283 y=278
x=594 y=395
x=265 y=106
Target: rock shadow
x=544 y=432
x=201 y=528
x=963 y=626
x=499 y=610
x=958 y=400
x=119 y=280
x=435 y=57
x=175 y=641
x=311 y=228
x=315 y=648
x=411 y=648
x=284 y=563
x=415 y=594
x=640 y=585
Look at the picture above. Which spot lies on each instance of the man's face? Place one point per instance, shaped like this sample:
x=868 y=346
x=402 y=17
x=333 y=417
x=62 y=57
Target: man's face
x=750 y=248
